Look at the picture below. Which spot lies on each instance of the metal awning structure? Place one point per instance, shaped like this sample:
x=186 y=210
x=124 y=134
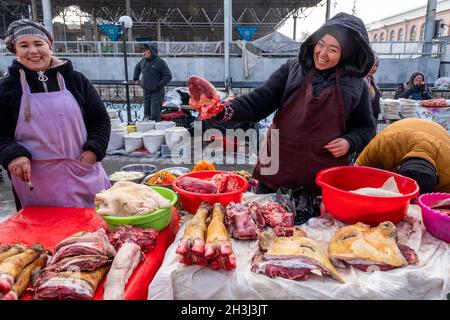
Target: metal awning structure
x=186 y=16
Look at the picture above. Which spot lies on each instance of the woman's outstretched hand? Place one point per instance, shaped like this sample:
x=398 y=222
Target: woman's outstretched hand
x=338 y=147
x=21 y=168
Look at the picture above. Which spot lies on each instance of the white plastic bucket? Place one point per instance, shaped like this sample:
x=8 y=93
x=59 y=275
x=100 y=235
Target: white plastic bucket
x=163 y=125
x=153 y=140
x=133 y=141
x=113 y=114
x=116 y=140
x=115 y=122
x=144 y=126
x=174 y=135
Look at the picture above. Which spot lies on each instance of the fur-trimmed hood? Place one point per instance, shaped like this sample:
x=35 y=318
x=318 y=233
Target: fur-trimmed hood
x=358 y=65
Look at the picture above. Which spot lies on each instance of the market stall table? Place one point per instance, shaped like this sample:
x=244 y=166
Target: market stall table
x=430 y=279
x=49 y=225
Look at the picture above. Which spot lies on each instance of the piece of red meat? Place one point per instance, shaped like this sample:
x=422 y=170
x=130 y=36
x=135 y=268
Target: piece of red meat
x=275 y=215
x=204 y=97
x=243 y=221
x=144 y=237
x=225 y=182
x=196 y=185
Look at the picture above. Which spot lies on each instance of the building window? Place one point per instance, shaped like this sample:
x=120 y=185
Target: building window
x=375 y=37
x=422 y=32
x=413 y=33
x=382 y=37
x=392 y=36
x=400 y=35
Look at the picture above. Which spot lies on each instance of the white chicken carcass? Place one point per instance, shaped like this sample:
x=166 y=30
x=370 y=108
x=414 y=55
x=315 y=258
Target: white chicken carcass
x=127 y=198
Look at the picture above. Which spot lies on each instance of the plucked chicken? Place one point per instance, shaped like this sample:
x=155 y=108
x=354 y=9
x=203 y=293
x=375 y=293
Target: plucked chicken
x=127 y=198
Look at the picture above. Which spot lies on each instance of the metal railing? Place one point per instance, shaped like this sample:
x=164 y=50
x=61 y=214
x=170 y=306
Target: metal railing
x=411 y=49
x=408 y=49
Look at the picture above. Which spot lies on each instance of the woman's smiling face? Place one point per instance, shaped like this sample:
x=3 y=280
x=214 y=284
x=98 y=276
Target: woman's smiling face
x=327 y=53
x=33 y=52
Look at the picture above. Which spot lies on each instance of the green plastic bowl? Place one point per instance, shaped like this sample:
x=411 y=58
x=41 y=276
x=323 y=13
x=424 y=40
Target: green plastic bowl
x=158 y=219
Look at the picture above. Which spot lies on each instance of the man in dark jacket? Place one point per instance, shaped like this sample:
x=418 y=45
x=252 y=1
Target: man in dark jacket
x=155 y=75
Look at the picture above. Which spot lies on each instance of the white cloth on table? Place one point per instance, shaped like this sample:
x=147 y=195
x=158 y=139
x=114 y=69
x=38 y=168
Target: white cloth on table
x=430 y=279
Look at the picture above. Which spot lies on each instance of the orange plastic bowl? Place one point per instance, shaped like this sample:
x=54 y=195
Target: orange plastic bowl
x=190 y=201
x=352 y=208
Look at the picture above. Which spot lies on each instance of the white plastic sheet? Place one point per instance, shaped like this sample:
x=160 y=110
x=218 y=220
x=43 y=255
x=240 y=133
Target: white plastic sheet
x=427 y=280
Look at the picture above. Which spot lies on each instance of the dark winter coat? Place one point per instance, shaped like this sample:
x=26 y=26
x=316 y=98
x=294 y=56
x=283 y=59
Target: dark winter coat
x=94 y=113
x=263 y=101
x=155 y=72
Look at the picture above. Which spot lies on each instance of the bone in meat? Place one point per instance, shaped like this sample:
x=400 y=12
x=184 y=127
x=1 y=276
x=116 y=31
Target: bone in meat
x=13 y=250
x=21 y=284
x=192 y=245
x=218 y=248
x=13 y=266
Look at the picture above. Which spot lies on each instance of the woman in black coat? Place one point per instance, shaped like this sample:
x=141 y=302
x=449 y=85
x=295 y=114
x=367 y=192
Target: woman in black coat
x=415 y=88
x=322 y=106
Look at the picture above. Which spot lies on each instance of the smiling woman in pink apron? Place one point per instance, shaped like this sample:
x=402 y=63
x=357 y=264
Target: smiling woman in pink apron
x=54 y=128
x=321 y=101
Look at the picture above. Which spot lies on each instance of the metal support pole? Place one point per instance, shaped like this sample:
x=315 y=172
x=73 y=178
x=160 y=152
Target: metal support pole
x=47 y=11
x=34 y=12
x=125 y=64
x=429 y=27
x=327 y=14
x=227 y=14
x=158 y=29
x=295 y=27
x=128 y=10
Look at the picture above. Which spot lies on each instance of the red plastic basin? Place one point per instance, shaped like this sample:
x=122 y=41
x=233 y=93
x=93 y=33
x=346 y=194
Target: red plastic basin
x=436 y=223
x=190 y=201
x=372 y=210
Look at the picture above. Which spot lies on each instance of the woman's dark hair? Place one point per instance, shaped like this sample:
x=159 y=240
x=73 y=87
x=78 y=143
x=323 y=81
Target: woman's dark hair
x=413 y=76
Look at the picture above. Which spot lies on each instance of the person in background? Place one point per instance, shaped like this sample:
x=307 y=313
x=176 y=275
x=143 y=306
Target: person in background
x=155 y=75
x=374 y=91
x=322 y=106
x=415 y=88
x=415 y=148
x=54 y=127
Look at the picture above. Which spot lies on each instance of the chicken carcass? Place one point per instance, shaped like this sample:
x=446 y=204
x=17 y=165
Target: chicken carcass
x=192 y=245
x=124 y=263
x=21 y=284
x=204 y=97
x=244 y=221
x=68 y=285
x=127 y=198
x=294 y=257
x=11 y=267
x=84 y=243
x=370 y=249
x=218 y=248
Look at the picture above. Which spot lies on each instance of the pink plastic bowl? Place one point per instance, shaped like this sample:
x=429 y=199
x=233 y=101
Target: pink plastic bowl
x=436 y=223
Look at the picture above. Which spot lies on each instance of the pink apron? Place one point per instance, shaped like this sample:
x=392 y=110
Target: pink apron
x=51 y=127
